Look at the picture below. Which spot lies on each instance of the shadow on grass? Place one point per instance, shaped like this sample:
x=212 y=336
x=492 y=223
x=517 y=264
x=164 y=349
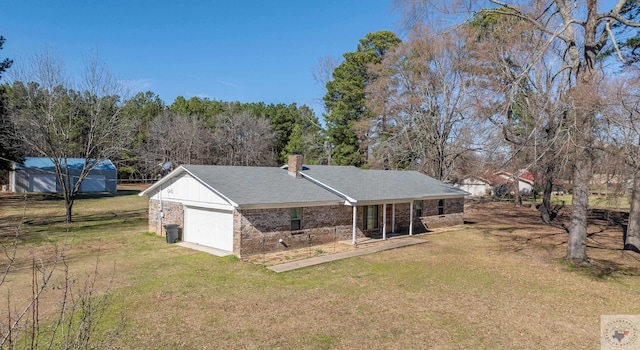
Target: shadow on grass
x=603 y=269
x=45 y=215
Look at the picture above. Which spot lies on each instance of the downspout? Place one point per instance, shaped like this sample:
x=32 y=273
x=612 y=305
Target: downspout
x=160 y=213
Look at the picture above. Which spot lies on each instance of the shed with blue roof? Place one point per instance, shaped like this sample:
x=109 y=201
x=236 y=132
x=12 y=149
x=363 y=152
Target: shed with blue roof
x=39 y=175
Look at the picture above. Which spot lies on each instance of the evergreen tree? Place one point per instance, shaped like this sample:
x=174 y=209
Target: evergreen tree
x=345 y=100
x=10 y=149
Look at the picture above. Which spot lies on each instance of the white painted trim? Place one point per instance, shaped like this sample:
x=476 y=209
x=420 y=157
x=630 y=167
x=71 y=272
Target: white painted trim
x=207 y=205
x=234 y=204
x=354 y=228
x=393 y=218
x=384 y=221
x=160 y=182
x=290 y=205
x=152 y=189
x=411 y=218
x=406 y=200
x=351 y=200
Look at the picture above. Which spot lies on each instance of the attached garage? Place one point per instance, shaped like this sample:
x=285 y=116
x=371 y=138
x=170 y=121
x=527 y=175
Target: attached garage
x=209 y=227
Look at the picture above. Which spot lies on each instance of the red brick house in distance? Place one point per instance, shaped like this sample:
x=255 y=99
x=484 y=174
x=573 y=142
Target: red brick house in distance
x=255 y=210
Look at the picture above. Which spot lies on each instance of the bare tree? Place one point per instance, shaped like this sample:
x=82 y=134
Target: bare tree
x=177 y=139
x=420 y=99
x=241 y=139
x=323 y=72
x=81 y=304
x=521 y=95
x=55 y=121
x=577 y=32
x=623 y=121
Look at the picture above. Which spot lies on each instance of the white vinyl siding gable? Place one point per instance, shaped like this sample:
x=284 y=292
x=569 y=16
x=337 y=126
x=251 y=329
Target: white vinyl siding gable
x=186 y=188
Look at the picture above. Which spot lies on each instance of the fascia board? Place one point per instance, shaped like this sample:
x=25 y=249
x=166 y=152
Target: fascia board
x=232 y=203
x=288 y=205
x=179 y=170
x=407 y=200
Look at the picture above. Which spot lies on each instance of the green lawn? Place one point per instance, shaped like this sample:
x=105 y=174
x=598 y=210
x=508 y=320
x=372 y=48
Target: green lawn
x=463 y=289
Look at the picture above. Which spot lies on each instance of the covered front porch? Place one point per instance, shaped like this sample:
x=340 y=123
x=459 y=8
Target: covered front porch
x=382 y=221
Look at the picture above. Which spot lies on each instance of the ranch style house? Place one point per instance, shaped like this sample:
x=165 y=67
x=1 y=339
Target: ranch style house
x=256 y=210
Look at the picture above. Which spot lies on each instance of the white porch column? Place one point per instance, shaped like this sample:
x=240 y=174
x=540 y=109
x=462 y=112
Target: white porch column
x=384 y=221
x=355 y=231
x=393 y=217
x=411 y=218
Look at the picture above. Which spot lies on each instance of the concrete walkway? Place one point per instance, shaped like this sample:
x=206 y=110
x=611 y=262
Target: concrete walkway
x=396 y=243
x=198 y=247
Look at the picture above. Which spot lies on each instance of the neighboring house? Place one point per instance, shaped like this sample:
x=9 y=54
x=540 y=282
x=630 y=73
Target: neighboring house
x=479 y=186
x=527 y=181
x=524 y=185
x=557 y=186
x=253 y=210
x=39 y=175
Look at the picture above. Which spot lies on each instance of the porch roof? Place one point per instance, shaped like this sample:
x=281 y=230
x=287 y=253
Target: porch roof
x=379 y=185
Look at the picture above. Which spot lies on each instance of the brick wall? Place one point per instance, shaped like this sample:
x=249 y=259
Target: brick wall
x=453 y=214
x=441 y=220
x=259 y=230
x=454 y=205
x=173 y=214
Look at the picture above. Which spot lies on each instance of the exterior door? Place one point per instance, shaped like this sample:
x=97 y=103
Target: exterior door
x=389 y=217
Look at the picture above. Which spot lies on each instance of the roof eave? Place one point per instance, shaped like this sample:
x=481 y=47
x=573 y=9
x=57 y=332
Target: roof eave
x=163 y=180
x=289 y=205
x=410 y=199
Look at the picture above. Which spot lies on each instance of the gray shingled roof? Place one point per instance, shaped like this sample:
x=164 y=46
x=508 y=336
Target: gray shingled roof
x=260 y=185
x=380 y=185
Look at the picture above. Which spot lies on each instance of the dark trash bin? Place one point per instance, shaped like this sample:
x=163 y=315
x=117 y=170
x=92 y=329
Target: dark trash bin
x=171 y=231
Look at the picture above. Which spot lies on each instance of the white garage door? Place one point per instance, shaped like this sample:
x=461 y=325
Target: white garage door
x=209 y=227
x=42 y=183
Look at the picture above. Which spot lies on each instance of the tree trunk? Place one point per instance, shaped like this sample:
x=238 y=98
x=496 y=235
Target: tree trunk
x=577 y=245
x=68 y=206
x=632 y=236
x=534 y=199
x=517 y=200
x=545 y=208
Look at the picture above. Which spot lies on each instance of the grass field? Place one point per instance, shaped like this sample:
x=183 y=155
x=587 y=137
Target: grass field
x=490 y=284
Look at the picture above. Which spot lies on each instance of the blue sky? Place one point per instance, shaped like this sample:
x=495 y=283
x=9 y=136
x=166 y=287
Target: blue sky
x=247 y=51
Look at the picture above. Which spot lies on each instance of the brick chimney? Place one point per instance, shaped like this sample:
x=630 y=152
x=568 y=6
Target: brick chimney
x=295 y=164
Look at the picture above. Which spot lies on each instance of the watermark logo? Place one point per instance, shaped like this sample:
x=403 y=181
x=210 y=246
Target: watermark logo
x=619 y=332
